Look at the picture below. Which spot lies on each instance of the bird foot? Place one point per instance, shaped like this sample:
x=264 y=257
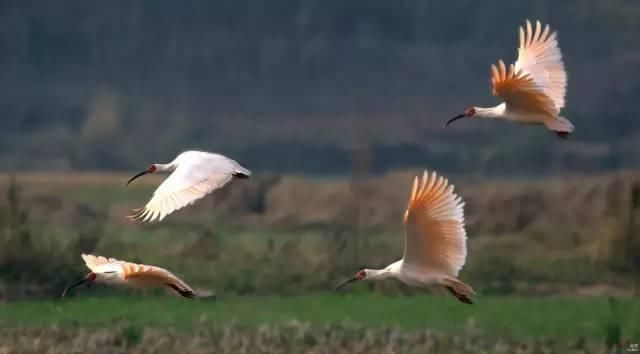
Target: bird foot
x=563 y=135
x=182 y=292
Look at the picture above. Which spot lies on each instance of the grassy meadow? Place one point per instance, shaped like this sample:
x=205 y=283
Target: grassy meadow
x=552 y=261
x=498 y=317
x=493 y=323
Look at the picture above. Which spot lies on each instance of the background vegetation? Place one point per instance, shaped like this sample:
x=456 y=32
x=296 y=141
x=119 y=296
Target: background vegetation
x=272 y=249
x=299 y=85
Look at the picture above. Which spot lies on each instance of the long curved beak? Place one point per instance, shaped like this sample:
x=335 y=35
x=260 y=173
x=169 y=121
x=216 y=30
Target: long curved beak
x=136 y=176
x=83 y=281
x=350 y=280
x=454 y=119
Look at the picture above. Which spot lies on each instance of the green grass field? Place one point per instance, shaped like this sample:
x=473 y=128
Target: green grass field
x=501 y=317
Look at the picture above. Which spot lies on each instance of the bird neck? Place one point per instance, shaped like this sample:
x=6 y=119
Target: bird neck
x=490 y=112
x=165 y=167
x=379 y=274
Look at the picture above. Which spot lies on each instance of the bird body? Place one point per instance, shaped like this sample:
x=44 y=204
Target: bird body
x=194 y=175
x=111 y=271
x=405 y=273
x=435 y=240
x=533 y=88
x=509 y=113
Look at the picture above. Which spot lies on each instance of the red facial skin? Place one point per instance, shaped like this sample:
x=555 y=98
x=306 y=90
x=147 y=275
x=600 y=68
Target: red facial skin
x=469 y=112
x=359 y=276
x=88 y=280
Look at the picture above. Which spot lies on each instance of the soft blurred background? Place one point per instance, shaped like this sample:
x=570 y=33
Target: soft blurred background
x=334 y=105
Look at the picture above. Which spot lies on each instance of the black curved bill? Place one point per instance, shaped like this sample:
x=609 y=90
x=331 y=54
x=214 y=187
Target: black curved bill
x=350 y=280
x=136 y=176
x=64 y=293
x=454 y=119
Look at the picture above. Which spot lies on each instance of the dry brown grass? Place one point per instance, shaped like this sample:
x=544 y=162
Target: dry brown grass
x=577 y=212
x=559 y=229
x=293 y=338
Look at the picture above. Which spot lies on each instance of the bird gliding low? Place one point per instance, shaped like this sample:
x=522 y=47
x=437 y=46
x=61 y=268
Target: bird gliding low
x=120 y=273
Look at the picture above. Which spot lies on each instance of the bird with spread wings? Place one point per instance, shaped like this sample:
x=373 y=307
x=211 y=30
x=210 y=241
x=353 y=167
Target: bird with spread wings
x=534 y=88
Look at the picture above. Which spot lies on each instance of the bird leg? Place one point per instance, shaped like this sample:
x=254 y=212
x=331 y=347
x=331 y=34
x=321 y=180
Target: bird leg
x=461 y=297
x=184 y=293
x=563 y=135
x=460 y=290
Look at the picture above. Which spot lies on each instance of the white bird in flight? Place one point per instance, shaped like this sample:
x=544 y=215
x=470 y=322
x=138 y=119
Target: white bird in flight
x=534 y=88
x=195 y=174
x=120 y=273
x=435 y=247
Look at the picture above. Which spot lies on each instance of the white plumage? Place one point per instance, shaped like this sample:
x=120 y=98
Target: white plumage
x=540 y=58
x=195 y=174
x=533 y=88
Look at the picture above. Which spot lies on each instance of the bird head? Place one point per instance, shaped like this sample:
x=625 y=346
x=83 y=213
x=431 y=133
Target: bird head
x=468 y=113
x=88 y=279
x=151 y=169
x=360 y=275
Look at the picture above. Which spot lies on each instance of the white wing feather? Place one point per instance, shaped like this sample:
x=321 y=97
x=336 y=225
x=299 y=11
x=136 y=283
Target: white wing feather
x=539 y=56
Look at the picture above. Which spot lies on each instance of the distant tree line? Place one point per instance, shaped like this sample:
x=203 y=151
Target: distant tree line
x=297 y=85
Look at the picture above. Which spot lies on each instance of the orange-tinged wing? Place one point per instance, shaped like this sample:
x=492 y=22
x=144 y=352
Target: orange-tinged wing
x=140 y=275
x=146 y=275
x=93 y=262
x=539 y=56
x=435 y=238
x=519 y=91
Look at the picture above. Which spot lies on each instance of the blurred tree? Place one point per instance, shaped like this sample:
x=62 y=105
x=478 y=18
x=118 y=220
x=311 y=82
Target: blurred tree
x=273 y=81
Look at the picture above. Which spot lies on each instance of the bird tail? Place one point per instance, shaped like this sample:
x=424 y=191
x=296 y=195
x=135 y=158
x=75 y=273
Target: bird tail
x=241 y=172
x=460 y=290
x=560 y=125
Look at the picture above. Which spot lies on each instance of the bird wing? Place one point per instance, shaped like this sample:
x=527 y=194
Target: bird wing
x=519 y=91
x=147 y=275
x=435 y=237
x=193 y=179
x=94 y=262
x=539 y=57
